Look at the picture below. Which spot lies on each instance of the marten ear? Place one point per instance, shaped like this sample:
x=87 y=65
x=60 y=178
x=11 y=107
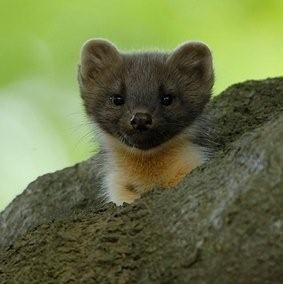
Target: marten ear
x=98 y=55
x=195 y=60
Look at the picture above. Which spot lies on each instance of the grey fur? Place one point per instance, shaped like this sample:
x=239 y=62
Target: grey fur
x=141 y=79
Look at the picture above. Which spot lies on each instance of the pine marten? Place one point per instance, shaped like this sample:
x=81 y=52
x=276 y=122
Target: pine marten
x=148 y=107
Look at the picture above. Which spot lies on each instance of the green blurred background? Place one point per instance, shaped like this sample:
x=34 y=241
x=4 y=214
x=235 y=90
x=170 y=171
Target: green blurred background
x=42 y=124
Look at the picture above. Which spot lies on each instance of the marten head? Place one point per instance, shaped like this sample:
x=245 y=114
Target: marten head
x=145 y=99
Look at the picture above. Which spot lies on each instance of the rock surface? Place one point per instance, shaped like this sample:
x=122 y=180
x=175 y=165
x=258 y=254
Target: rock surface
x=223 y=224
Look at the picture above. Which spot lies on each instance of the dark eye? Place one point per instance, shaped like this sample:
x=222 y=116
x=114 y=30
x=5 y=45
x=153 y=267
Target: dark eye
x=166 y=100
x=117 y=100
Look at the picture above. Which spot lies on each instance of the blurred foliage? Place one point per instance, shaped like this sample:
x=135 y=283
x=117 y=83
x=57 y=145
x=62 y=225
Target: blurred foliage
x=42 y=124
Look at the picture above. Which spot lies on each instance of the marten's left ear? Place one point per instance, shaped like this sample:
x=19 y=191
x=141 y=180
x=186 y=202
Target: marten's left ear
x=195 y=60
x=97 y=56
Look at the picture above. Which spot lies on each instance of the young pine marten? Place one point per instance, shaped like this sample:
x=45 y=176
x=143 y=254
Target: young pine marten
x=148 y=107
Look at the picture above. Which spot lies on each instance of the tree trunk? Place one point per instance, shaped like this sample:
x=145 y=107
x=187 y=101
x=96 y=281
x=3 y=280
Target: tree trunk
x=222 y=224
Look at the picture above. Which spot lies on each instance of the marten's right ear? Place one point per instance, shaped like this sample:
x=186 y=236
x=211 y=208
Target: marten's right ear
x=194 y=59
x=98 y=55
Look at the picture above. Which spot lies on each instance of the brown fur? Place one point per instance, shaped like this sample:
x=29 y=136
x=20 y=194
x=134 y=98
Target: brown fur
x=139 y=171
x=172 y=143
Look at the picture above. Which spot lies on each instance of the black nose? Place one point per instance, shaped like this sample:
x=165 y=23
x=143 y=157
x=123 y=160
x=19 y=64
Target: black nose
x=141 y=121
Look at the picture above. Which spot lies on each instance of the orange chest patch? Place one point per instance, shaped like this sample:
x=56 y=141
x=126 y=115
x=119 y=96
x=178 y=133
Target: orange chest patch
x=165 y=168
